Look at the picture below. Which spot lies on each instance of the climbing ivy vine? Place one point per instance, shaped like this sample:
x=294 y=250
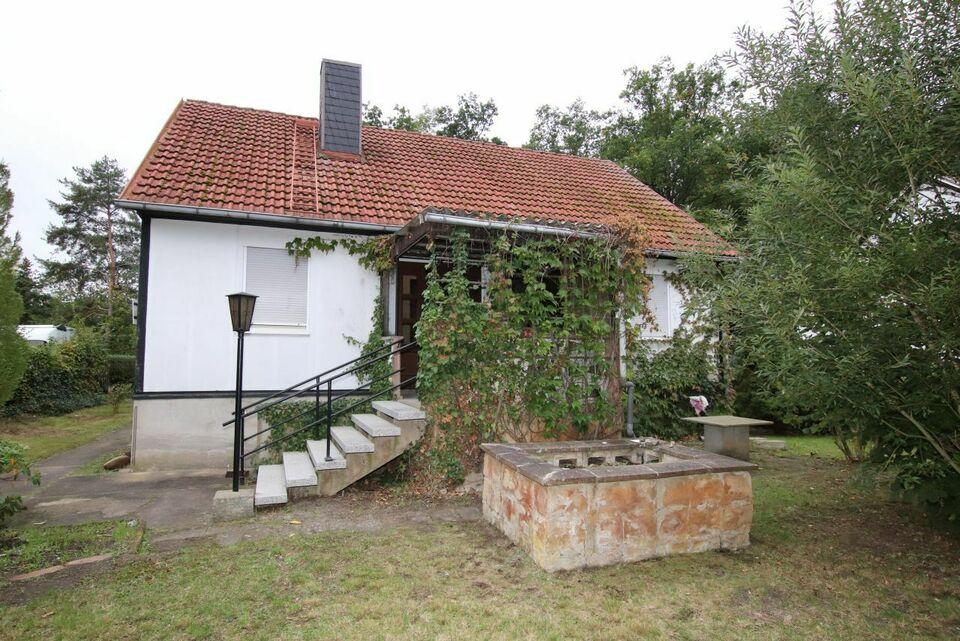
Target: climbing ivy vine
x=372 y=253
x=537 y=357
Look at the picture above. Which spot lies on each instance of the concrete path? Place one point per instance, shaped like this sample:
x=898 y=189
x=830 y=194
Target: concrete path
x=61 y=465
x=177 y=507
x=159 y=499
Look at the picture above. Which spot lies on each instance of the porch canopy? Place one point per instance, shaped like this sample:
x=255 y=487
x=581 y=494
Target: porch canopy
x=429 y=233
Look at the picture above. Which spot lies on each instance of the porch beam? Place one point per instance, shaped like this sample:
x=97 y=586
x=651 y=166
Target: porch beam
x=417 y=234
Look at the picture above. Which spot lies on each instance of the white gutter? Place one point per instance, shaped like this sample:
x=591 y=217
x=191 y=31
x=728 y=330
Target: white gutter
x=433 y=216
x=234 y=214
x=466 y=221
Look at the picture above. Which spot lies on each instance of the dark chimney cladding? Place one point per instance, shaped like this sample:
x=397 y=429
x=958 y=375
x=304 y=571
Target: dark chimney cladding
x=340 y=107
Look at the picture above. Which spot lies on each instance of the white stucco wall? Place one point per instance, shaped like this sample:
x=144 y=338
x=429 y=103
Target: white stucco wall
x=189 y=342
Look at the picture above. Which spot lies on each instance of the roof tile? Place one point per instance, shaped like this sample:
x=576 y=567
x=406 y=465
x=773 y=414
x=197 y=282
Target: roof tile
x=217 y=156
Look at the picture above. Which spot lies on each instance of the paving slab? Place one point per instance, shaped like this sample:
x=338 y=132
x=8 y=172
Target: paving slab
x=61 y=465
x=87 y=560
x=769 y=444
x=168 y=499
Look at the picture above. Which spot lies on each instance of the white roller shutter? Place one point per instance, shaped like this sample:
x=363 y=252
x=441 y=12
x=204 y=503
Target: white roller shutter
x=280 y=281
x=659 y=305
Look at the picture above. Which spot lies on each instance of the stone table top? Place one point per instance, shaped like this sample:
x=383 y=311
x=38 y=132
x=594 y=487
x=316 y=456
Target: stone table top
x=727 y=420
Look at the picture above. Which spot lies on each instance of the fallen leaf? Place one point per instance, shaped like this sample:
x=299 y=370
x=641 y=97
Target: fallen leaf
x=296 y=522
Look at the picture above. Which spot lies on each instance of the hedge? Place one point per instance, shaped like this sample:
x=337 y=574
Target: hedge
x=62 y=377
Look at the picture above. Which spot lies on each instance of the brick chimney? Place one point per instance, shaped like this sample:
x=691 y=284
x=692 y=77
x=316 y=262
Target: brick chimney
x=340 y=107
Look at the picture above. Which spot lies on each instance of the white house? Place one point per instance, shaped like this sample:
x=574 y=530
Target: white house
x=223 y=189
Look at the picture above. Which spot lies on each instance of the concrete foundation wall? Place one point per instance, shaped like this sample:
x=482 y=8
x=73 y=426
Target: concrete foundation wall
x=185 y=433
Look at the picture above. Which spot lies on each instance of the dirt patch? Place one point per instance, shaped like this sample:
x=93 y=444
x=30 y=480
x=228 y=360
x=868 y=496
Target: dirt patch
x=8 y=541
x=24 y=591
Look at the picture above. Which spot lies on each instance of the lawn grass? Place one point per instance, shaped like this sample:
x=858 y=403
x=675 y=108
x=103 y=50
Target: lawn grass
x=821 y=446
x=49 y=435
x=39 y=546
x=830 y=559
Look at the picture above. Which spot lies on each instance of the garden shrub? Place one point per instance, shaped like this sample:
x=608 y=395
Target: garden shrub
x=121 y=368
x=62 y=377
x=299 y=414
x=665 y=379
x=13 y=460
x=117 y=394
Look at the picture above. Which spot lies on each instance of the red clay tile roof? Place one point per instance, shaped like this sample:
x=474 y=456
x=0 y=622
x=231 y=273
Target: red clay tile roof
x=221 y=157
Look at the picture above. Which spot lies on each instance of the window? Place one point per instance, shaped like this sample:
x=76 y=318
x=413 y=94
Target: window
x=659 y=305
x=280 y=282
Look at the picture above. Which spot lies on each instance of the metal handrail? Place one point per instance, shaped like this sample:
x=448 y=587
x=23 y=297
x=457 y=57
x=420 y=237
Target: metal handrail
x=358 y=363
x=273 y=442
x=293 y=392
x=313 y=410
x=386 y=346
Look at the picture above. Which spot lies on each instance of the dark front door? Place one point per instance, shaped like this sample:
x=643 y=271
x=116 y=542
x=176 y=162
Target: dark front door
x=411 y=280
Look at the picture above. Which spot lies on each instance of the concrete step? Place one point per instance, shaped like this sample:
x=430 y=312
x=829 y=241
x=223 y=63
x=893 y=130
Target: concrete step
x=359 y=465
x=271 y=486
x=318 y=454
x=349 y=440
x=298 y=469
x=399 y=411
x=375 y=426
x=412 y=402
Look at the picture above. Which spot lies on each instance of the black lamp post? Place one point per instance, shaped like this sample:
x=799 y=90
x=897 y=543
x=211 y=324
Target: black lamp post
x=241 y=315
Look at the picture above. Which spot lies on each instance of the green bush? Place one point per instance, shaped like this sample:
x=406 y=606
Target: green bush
x=13 y=459
x=62 y=377
x=121 y=369
x=298 y=414
x=665 y=380
x=117 y=394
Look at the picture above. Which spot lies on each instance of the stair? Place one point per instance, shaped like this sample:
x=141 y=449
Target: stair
x=375 y=426
x=349 y=440
x=271 y=486
x=399 y=411
x=372 y=441
x=412 y=402
x=318 y=454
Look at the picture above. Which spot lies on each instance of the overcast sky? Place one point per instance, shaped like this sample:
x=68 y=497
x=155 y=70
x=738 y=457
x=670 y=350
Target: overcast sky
x=79 y=80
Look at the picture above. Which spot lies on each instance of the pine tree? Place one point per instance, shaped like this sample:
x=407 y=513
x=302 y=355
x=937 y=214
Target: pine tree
x=96 y=239
x=36 y=302
x=10 y=251
x=12 y=346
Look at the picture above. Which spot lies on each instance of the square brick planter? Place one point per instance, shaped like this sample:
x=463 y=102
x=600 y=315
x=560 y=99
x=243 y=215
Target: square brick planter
x=588 y=503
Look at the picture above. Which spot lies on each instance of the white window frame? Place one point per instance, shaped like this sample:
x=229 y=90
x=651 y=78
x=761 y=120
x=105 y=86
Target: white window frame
x=291 y=329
